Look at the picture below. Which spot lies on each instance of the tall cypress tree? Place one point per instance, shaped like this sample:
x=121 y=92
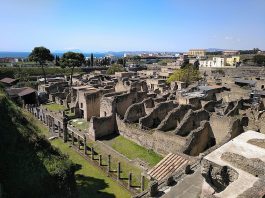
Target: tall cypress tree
x=92 y=59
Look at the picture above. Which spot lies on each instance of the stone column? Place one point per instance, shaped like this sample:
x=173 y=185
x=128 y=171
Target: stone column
x=118 y=171
x=92 y=153
x=78 y=140
x=99 y=160
x=142 y=183
x=130 y=180
x=73 y=138
x=153 y=189
x=59 y=129
x=85 y=148
x=53 y=125
x=109 y=159
x=65 y=133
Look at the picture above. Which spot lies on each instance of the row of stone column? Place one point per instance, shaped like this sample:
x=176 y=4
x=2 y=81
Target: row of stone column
x=50 y=122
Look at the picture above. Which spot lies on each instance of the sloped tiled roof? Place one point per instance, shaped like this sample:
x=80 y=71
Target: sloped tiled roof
x=7 y=80
x=26 y=91
x=167 y=166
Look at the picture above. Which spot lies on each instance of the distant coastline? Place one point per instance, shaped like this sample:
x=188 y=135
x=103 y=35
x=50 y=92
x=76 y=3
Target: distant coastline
x=26 y=54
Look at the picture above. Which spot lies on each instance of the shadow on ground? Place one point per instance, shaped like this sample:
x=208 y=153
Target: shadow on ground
x=92 y=187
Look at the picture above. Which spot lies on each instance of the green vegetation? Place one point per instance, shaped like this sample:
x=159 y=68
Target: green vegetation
x=115 y=68
x=259 y=60
x=187 y=74
x=72 y=60
x=54 y=107
x=80 y=124
x=126 y=166
x=91 y=181
x=35 y=71
x=29 y=165
x=134 y=151
x=41 y=55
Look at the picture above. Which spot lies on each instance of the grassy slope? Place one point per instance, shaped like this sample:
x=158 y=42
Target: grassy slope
x=54 y=107
x=133 y=150
x=29 y=165
x=91 y=181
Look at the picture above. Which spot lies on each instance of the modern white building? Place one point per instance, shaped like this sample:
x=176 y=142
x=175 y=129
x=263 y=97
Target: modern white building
x=216 y=62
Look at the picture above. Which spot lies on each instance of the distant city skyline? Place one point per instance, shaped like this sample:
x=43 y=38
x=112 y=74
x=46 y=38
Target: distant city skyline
x=132 y=25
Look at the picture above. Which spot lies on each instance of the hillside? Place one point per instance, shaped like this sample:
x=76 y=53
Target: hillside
x=29 y=165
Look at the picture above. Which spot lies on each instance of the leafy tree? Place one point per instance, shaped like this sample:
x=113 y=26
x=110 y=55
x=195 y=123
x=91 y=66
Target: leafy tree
x=41 y=55
x=115 y=68
x=120 y=61
x=105 y=61
x=185 y=63
x=196 y=64
x=188 y=75
x=72 y=59
x=136 y=59
x=91 y=60
x=259 y=59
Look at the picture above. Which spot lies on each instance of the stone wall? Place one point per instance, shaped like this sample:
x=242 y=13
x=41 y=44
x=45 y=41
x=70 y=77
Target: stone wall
x=191 y=121
x=199 y=140
x=135 y=112
x=158 y=141
x=173 y=118
x=101 y=126
x=153 y=119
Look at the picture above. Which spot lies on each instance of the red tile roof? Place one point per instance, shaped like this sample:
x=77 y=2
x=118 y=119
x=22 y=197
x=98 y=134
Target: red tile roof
x=26 y=91
x=7 y=80
x=167 y=166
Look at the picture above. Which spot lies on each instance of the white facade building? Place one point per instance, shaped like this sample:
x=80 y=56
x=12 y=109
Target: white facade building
x=216 y=62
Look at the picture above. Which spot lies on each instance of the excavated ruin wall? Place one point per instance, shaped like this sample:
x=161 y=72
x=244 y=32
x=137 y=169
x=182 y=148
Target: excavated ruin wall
x=157 y=141
x=135 y=112
x=191 y=121
x=153 y=119
x=173 y=118
x=101 y=126
x=210 y=105
x=199 y=140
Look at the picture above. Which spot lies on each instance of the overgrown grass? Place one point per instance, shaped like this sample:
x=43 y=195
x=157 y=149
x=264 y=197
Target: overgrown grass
x=54 y=107
x=134 y=151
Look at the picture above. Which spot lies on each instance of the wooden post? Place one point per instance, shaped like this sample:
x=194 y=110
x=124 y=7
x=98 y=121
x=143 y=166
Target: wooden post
x=118 y=170
x=130 y=181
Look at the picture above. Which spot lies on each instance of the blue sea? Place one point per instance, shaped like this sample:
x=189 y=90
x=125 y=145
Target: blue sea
x=26 y=54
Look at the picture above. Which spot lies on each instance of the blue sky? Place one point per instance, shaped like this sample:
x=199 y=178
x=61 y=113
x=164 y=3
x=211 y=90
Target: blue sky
x=157 y=25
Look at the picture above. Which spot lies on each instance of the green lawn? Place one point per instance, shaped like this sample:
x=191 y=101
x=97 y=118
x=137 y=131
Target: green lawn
x=133 y=150
x=54 y=107
x=80 y=124
x=91 y=181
